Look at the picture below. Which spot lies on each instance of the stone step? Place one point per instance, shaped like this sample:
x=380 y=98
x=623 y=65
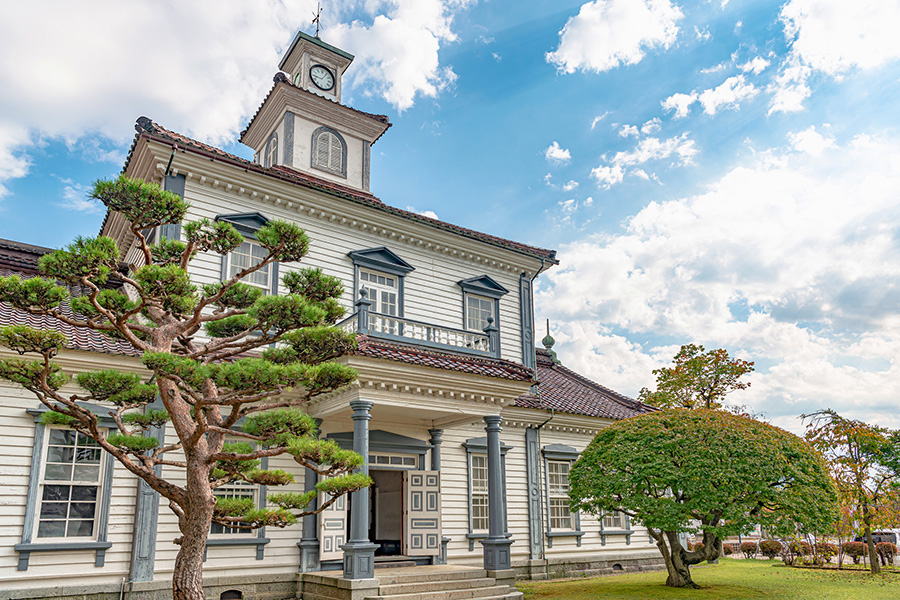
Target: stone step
x=447 y=592
x=396 y=564
x=439 y=574
x=431 y=586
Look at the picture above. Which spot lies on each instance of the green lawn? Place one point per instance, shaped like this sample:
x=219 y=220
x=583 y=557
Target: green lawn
x=737 y=579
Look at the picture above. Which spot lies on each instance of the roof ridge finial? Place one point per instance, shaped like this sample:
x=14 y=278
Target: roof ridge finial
x=316 y=18
x=548 y=342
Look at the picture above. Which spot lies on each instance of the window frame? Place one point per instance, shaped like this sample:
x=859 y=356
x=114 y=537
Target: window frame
x=247 y=225
x=559 y=453
x=478 y=446
x=270 y=151
x=626 y=531
x=99 y=542
x=483 y=287
x=314 y=149
x=382 y=261
x=270 y=271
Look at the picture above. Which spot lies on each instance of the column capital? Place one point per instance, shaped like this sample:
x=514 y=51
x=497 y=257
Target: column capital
x=361 y=409
x=436 y=435
x=493 y=422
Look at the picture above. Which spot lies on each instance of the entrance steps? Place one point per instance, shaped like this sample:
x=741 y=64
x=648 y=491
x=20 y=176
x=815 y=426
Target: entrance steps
x=424 y=583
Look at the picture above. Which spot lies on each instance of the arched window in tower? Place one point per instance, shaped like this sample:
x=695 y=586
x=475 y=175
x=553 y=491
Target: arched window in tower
x=329 y=151
x=270 y=158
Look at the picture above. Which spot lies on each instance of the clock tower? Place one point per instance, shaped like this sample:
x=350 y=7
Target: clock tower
x=302 y=124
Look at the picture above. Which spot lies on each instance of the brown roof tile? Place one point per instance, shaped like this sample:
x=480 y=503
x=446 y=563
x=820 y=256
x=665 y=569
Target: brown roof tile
x=563 y=390
x=489 y=367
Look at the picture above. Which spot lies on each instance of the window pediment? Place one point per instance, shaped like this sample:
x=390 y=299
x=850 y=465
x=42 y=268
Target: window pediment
x=247 y=224
x=483 y=286
x=380 y=259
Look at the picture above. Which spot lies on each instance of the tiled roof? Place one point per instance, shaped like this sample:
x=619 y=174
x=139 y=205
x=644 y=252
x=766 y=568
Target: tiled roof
x=489 y=367
x=563 y=390
x=281 y=78
x=21 y=259
x=146 y=127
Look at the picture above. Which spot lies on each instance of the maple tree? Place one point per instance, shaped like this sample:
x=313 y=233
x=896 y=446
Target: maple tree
x=703 y=471
x=700 y=378
x=864 y=461
x=210 y=360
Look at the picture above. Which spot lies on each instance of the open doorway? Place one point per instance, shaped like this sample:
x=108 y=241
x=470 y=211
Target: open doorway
x=386 y=502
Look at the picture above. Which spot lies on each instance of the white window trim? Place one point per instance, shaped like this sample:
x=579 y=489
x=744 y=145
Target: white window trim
x=554 y=453
x=494 y=303
x=270 y=270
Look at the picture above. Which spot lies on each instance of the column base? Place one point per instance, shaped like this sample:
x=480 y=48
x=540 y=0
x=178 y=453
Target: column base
x=309 y=556
x=359 y=560
x=497 y=554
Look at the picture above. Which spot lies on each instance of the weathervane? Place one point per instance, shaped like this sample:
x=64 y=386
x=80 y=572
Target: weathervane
x=316 y=17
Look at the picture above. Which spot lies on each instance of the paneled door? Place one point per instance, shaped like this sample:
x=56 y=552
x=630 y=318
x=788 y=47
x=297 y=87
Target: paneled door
x=333 y=530
x=422 y=513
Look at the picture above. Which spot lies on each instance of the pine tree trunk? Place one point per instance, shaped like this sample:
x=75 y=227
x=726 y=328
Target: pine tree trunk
x=187 y=579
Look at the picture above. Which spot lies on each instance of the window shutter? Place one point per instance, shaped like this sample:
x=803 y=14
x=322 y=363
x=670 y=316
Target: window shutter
x=322 y=145
x=336 y=151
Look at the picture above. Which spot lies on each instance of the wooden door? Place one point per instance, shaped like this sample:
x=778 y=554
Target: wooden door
x=422 y=513
x=333 y=530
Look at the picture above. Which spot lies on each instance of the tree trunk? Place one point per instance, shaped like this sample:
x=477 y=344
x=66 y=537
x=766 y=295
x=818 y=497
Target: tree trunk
x=678 y=560
x=187 y=579
x=874 y=563
x=679 y=573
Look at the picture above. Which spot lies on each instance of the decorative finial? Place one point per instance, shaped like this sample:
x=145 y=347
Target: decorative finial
x=548 y=342
x=316 y=18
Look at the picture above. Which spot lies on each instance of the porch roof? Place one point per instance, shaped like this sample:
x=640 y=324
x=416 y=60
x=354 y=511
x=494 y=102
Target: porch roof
x=563 y=390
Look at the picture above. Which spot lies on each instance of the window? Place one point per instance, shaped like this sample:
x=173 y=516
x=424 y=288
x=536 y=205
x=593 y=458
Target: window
x=478 y=309
x=67 y=506
x=249 y=254
x=70 y=487
x=270 y=158
x=234 y=489
x=479 y=522
x=614 y=520
x=479 y=492
x=382 y=291
x=329 y=151
x=615 y=523
x=558 y=492
x=396 y=461
x=561 y=520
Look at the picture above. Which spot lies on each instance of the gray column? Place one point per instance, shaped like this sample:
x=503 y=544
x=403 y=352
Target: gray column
x=436 y=448
x=533 y=471
x=363 y=305
x=309 y=542
x=496 y=545
x=147 y=510
x=359 y=552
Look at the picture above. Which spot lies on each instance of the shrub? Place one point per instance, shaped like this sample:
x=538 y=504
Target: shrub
x=887 y=551
x=770 y=548
x=696 y=546
x=727 y=549
x=749 y=549
x=855 y=550
x=825 y=552
x=801 y=548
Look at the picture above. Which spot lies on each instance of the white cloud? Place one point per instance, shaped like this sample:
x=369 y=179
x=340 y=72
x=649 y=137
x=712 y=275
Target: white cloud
x=75 y=197
x=496 y=56
x=833 y=37
x=608 y=33
x=681 y=148
x=769 y=262
x=680 y=103
x=570 y=185
x=729 y=93
x=628 y=131
x=210 y=65
x=597 y=119
x=702 y=35
x=651 y=126
x=811 y=141
x=424 y=213
x=555 y=154
x=755 y=66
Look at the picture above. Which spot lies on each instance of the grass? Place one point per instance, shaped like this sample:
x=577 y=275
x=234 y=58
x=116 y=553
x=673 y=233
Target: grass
x=730 y=579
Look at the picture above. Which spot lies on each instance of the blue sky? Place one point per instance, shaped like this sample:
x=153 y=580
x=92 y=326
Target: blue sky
x=722 y=172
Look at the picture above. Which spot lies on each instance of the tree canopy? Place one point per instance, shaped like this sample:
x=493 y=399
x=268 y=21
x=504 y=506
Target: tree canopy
x=210 y=358
x=700 y=378
x=702 y=471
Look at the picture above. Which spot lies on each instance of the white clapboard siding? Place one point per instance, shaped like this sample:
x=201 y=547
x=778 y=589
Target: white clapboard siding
x=431 y=293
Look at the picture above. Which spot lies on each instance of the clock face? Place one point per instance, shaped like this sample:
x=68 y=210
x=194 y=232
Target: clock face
x=321 y=77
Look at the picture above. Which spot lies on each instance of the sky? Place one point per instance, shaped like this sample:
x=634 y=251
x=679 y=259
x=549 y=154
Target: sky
x=720 y=172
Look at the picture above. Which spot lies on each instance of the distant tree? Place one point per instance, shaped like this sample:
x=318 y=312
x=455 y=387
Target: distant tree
x=702 y=471
x=206 y=384
x=699 y=379
x=863 y=460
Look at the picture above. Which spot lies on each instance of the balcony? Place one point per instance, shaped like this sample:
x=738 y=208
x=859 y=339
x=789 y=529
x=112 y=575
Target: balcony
x=418 y=333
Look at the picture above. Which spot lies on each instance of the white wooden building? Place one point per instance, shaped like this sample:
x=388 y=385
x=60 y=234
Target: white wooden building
x=446 y=344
